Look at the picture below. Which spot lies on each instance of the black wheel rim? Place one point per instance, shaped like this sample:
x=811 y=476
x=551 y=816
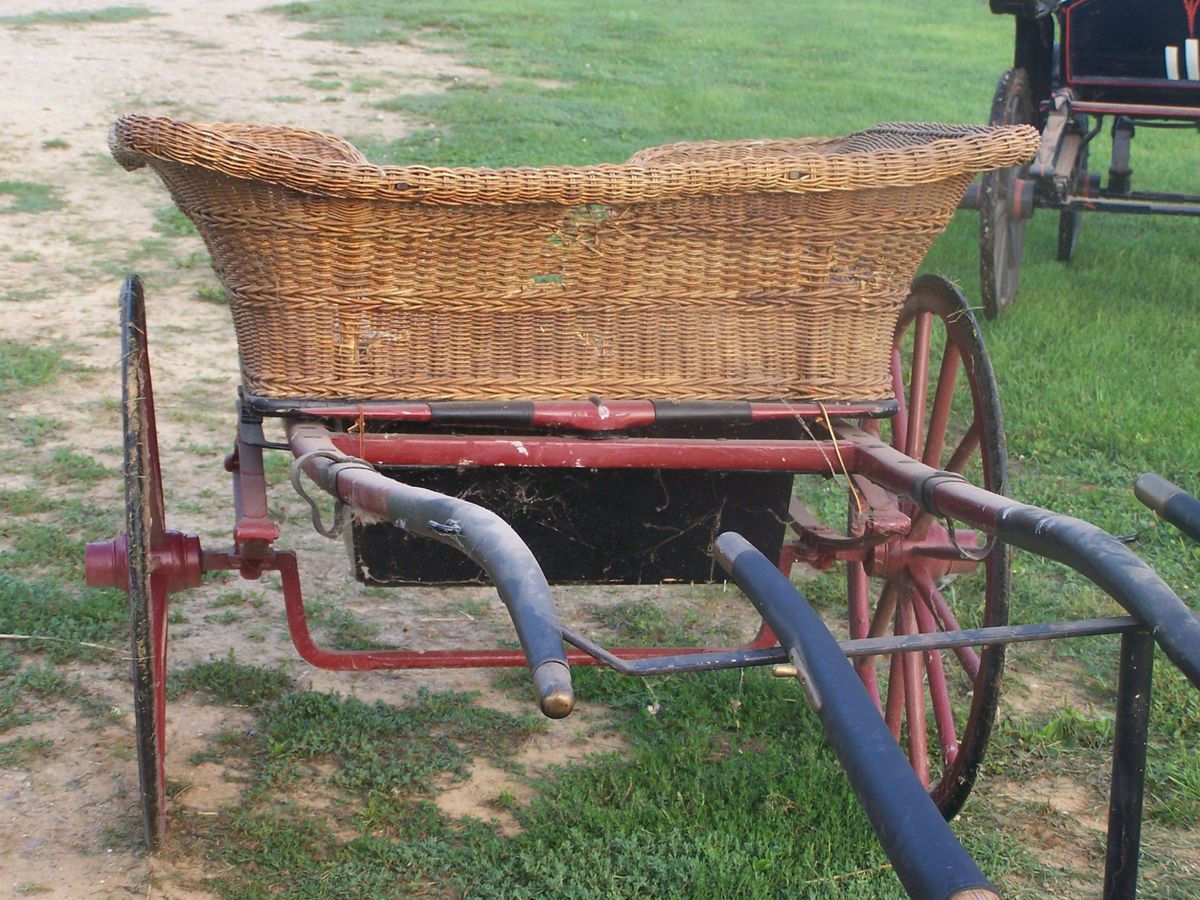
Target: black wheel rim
x=144 y=527
x=975 y=406
x=1002 y=235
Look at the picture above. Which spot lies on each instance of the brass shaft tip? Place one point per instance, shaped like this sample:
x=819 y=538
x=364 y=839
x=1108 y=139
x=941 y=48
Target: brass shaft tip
x=552 y=682
x=558 y=704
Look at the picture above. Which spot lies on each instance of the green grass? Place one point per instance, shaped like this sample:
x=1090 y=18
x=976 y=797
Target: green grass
x=231 y=683
x=645 y=622
x=24 y=366
x=63 y=618
x=19 y=752
x=212 y=293
x=35 y=430
x=53 y=544
x=29 y=197
x=650 y=821
x=67 y=466
x=170 y=221
x=340 y=628
x=106 y=15
x=577 y=82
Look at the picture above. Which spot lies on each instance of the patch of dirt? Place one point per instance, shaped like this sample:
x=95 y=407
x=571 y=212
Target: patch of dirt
x=71 y=825
x=488 y=790
x=191 y=728
x=71 y=819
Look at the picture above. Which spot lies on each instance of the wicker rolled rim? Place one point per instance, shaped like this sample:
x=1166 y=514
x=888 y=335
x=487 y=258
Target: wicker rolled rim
x=277 y=155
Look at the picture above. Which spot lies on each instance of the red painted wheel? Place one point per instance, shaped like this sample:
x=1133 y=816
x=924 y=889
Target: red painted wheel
x=940 y=704
x=145 y=529
x=1001 y=232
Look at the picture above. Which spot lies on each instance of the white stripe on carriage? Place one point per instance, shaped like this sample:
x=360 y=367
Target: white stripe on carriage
x=1192 y=52
x=1172 y=55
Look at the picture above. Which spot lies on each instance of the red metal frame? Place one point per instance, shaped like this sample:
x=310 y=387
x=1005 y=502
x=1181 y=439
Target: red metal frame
x=181 y=563
x=930 y=551
x=581 y=453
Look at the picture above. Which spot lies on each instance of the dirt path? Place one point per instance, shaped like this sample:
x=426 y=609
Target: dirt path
x=66 y=819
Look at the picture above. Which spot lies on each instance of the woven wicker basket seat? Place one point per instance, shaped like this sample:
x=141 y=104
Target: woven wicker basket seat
x=739 y=270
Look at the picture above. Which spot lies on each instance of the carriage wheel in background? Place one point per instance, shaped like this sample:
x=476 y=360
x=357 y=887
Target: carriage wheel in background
x=1069 y=219
x=1005 y=202
x=144 y=533
x=940 y=704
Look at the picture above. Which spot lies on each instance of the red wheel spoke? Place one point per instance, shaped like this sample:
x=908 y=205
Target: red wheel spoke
x=919 y=383
x=962 y=453
x=939 y=415
x=939 y=694
x=900 y=419
x=967 y=657
x=860 y=614
x=860 y=624
x=884 y=611
x=914 y=697
x=895 y=696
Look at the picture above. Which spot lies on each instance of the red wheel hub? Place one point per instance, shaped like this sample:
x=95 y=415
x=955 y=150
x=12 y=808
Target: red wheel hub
x=934 y=553
x=106 y=563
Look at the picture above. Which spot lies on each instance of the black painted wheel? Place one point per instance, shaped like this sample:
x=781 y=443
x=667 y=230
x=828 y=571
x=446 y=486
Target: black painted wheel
x=1069 y=219
x=940 y=705
x=144 y=533
x=1002 y=234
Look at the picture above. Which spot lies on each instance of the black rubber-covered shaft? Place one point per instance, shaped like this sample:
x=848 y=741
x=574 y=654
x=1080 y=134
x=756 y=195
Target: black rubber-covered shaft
x=926 y=855
x=477 y=532
x=1129 y=766
x=1173 y=503
x=1089 y=550
x=1105 y=561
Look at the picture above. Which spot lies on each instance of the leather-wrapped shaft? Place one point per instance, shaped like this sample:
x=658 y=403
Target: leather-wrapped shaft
x=1171 y=502
x=478 y=533
x=927 y=857
x=1107 y=562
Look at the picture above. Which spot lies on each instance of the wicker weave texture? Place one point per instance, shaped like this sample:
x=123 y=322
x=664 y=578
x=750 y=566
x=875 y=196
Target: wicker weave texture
x=743 y=270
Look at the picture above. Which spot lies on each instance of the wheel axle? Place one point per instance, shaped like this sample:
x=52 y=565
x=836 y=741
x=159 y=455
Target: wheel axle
x=935 y=555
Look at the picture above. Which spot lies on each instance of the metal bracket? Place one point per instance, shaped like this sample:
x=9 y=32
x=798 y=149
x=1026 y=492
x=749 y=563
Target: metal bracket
x=339 y=508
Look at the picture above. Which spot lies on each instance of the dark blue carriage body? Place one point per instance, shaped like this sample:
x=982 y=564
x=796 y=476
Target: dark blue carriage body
x=1131 y=52
x=1138 y=52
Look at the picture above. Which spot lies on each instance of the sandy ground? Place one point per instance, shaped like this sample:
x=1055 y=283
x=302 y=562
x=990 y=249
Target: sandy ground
x=69 y=820
x=62 y=818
